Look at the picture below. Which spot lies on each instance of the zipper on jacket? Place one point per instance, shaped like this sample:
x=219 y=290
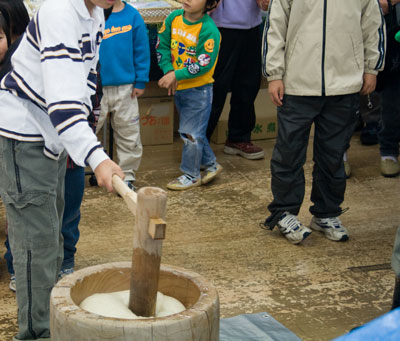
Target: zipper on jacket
x=323 y=51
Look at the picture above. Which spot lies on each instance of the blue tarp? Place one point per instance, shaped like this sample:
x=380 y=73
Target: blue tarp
x=385 y=327
x=254 y=327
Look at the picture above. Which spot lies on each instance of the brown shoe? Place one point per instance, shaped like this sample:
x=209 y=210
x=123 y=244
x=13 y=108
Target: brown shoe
x=244 y=149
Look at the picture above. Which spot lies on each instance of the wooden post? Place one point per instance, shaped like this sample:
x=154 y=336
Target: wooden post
x=146 y=258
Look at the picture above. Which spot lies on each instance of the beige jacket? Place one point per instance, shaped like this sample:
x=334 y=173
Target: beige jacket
x=323 y=46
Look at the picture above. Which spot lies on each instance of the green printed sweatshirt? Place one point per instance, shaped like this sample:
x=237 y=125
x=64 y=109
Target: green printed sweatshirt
x=191 y=49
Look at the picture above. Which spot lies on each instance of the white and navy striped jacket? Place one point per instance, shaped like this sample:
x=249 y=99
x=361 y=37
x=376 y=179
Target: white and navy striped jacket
x=46 y=96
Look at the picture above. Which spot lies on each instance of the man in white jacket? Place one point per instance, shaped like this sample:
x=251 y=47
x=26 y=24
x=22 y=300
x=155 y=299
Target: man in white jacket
x=317 y=56
x=45 y=100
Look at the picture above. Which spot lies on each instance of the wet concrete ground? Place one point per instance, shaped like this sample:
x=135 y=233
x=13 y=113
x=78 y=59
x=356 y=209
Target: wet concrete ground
x=319 y=290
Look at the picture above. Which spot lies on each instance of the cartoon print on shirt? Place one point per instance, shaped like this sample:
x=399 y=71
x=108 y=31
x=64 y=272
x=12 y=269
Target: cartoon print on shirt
x=179 y=62
x=181 y=48
x=191 y=51
x=189 y=61
x=193 y=68
x=174 y=44
x=209 y=45
x=204 y=59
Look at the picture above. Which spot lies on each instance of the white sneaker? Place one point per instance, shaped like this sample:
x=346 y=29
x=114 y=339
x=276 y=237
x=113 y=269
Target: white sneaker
x=13 y=283
x=210 y=173
x=292 y=228
x=331 y=227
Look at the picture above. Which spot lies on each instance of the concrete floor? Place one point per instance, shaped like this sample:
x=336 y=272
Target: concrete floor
x=319 y=290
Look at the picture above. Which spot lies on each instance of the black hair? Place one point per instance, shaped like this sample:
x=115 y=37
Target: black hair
x=210 y=5
x=5 y=24
x=18 y=16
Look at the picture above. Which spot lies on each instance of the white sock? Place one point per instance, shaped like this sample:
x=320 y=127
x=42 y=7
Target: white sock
x=345 y=156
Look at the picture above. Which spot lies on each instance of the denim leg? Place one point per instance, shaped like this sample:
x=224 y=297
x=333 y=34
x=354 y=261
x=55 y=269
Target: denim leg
x=8 y=257
x=74 y=187
x=389 y=134
x=194 y=106
x=32 y=187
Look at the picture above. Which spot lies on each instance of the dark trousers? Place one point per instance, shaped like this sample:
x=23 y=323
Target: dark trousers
x=238 y=69
x=74 y=188
x=334 y=119
x=389 y=135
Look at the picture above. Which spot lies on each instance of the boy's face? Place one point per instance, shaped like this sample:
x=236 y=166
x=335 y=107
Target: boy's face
x=194 y=6
x=3 y=45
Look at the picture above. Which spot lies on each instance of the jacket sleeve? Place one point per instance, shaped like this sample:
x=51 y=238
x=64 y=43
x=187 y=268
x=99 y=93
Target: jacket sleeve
x=374 y=36
x=141 y=52
x=274 y=39
x=164 y=45
x=68 y=87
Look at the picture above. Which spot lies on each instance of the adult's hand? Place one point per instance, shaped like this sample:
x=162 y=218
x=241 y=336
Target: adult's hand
x=276 y=90
x=104 y=172
x=369 y=83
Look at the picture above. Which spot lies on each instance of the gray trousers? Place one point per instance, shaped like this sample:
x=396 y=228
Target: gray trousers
x=334 y=118
x=32 y=188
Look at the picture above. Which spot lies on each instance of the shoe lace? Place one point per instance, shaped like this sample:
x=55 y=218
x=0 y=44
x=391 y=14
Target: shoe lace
x=291 y=222
x=334 y=222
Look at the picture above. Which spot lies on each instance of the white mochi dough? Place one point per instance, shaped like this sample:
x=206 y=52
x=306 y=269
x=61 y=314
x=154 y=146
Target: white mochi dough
x=116 y=304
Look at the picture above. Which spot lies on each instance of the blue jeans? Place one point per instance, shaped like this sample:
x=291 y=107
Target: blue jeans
x=74 y=187
x=194 y=107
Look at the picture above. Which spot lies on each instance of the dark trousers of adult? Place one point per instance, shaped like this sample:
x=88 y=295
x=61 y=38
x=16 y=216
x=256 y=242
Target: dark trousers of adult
x=32 y=188
x=334 y=118
x=389 y=134
x=238 y=69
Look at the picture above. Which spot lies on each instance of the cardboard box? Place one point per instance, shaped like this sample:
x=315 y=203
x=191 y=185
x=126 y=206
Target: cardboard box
x=153 y=90
x=266 y=121
x=156 y=120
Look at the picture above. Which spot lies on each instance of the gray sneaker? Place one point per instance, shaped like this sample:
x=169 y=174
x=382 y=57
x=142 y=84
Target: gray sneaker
x=331 y=227
x=292 y=228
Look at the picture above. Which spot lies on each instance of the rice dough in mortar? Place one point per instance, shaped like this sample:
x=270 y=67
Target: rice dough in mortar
x=115 y=304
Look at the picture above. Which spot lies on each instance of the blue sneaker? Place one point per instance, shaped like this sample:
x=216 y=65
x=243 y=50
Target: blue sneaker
x=331 y=227
x=65 y=272
x=292 y=228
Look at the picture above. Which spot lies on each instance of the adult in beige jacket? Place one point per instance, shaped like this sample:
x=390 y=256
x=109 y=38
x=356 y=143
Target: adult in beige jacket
x=317 y=56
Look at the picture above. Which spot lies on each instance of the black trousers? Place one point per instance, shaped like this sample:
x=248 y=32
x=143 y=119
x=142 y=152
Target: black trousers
x=238 y=70
x=334 y=119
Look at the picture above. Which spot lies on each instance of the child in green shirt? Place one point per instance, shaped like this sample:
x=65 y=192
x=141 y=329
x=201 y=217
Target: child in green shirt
x=187 y=52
